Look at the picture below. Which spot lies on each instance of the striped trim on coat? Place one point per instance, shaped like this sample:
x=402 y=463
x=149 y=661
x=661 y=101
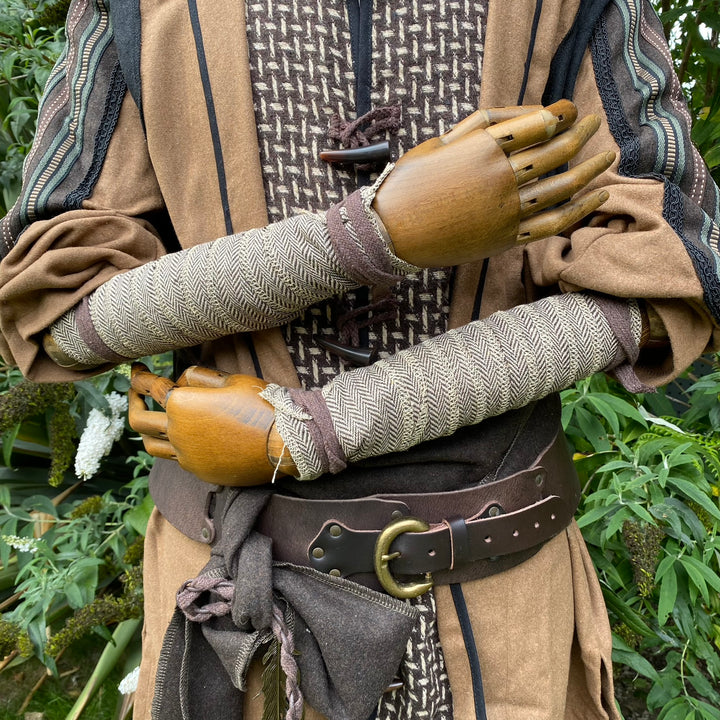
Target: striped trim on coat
x=77 y=117
x=648 y=117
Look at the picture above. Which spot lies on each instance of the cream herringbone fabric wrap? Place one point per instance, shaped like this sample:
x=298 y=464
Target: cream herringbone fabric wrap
x=456 y=379
x=254 y=280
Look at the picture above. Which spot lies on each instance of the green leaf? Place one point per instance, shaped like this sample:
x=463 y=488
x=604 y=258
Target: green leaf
x=40 y=503
x=708 y=575
x=675 y=710
x=74 y=596
x=634 y=660
x=626 y=614
x=697 y=579
x=138 y=517
x=593 y=430
x=668 y=595
x=616 y=521
x=594 y=515
x=692 y=491
x=641 y=512
x=8 y=443
x=604 y=409
x=708 y=711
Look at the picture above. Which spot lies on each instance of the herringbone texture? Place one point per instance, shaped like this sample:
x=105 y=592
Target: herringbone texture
x=250 y=281
x=467 y=375
x=426 y=58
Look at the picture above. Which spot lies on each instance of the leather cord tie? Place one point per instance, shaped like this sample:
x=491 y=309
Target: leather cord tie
x=378 y=121
x=356 y=134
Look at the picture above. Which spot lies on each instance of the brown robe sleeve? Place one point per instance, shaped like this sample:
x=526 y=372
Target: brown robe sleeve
x=656 y=237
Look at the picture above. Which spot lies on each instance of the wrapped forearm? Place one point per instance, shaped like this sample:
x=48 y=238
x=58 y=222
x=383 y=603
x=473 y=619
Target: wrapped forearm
x=257 y=279
x=456 y=379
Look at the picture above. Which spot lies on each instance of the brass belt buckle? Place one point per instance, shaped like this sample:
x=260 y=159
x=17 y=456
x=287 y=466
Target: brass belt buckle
x=383 y=556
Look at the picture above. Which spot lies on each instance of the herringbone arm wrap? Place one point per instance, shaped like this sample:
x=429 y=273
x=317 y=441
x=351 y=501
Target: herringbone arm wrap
x=456 y=379
x=250 y=281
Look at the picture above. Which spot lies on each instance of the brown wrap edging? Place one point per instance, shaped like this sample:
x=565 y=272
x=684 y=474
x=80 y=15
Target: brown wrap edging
x=366 y=260
x=89 y=334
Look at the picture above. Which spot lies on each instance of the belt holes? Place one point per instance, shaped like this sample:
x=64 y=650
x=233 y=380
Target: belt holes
x=488 y=538
x=553 y=516
x=516 y=533
x=431 y=553
x=537 y=525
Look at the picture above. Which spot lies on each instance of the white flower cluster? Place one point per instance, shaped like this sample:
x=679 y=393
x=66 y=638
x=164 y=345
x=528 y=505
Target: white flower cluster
x=99 y=435
x=21 y=544
x=130 y=682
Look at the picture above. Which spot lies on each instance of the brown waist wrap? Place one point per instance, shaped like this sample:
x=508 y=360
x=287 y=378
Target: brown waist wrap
x=472 y=532
x=477 y=529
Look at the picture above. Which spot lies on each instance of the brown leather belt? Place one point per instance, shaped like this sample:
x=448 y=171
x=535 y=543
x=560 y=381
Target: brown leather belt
x=455 y=536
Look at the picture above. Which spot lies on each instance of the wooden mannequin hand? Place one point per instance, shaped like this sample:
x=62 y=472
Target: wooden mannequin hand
x=463 y=196
x=214 y=424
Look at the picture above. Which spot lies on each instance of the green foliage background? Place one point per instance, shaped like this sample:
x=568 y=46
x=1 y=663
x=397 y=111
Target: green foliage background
x=650 y=466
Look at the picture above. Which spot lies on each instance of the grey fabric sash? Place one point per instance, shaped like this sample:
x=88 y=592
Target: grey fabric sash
x=349 y=639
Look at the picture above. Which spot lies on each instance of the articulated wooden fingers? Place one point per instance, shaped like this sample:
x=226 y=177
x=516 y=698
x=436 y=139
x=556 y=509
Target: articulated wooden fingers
x=553 y=222
x=159 y=448
x=482 y=119
x=532 y=163
x=528 y=129
x=146 y=383
x=151 y=424
x=214 y=424
x=542 y=194
x=197 y=376
x=518 y=126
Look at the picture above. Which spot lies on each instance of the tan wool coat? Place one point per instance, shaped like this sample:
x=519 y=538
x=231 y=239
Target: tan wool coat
x=542 y=631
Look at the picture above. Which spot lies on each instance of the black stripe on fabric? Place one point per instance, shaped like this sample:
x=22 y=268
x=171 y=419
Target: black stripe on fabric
x=566 y=62
x=111 y=113
x=674 y=214
x=212 y=117
x=621 y=130
x=125 y=19
x=480 y=290
x=469 y=639
x=254 y=356
x=530 y=51
x=360 y=20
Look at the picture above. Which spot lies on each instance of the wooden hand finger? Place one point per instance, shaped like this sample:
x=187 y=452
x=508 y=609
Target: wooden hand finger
x=532 y=163
x=565 y=114
x=147 y=383
x=144 y=421
x=529 y=129
x=482 y=119
x=553 y=222
x=524 y=130
x=197 y=376
x=558 y=188
x=159 y=448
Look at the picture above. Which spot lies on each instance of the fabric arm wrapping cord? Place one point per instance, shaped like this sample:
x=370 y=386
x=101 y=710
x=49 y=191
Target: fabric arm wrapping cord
x=254 y=280
x=457 y=379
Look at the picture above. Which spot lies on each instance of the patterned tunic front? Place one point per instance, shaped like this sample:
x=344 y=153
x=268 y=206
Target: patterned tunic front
x=426 y=59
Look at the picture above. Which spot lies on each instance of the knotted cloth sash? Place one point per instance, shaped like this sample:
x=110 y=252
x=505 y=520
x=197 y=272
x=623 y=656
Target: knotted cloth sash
x=337 y=625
